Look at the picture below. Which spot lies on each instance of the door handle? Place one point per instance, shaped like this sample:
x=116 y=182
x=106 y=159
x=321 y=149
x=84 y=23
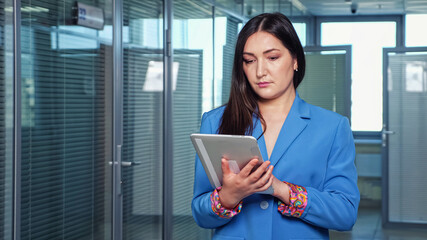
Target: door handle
x=384 y=134
x=127 y=164
x=388 y=132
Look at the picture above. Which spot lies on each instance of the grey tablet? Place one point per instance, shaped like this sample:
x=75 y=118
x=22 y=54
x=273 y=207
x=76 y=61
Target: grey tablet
x=239 y=150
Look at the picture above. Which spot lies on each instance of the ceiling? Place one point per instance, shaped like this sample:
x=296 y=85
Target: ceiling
x=362 y=7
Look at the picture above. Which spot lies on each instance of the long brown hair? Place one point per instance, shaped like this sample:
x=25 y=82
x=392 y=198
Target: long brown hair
x=242 y=105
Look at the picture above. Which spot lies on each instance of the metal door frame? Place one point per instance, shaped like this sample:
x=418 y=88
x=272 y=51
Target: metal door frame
x=16 y=212
x=385 y=142
x=117 y=198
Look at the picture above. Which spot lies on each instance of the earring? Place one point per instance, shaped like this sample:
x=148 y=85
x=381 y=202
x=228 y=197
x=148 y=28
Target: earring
x=296 y=70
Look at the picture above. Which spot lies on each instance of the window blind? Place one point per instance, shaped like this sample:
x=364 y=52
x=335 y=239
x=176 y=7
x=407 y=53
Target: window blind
x=193 y=60
x=142 y=145
x=3 y=178
x=407 y=118
x=142 y=119
x=6 y=120
x=325 y=82
x=64 y=161
x=187 y=110
x=232 y=31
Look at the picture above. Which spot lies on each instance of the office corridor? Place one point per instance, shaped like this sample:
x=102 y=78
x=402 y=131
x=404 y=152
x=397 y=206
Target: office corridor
x=368 y=226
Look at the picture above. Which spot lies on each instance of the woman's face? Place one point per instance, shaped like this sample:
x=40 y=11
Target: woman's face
x=268 y=66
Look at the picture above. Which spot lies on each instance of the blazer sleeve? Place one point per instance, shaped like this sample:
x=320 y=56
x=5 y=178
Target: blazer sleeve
x=201 y=204
x=335 y=207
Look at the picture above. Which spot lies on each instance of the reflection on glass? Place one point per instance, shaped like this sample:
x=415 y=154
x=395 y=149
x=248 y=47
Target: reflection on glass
x=66 y=77
x=366 y=109
x=196 y=34
x=142 y=119
x=154 y=76
x=271 y=5
x=193 y=50
x=65 y=37
x=406 y=148
x=226 y=30
x=416 y=77
x=324 y=82
x=222 y=73
x=6 y=119
x=235 y=6
x=252 y=8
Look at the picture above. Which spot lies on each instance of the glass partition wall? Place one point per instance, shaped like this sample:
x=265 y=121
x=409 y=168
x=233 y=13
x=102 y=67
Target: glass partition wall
x=68 y=85
x=66 y=128
x=142 y=119
x=68 y=91
x=6 y=118
x=67 y=108
x=404 y=150
x=192 y=87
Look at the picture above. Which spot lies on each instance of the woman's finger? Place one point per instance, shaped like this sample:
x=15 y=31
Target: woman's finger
x=267 y=185
x=225 y=166
x=266 y=177
x=260 y=171
x=246 y=170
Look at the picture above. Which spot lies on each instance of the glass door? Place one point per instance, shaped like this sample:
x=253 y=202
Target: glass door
x=327 y=80
x=6 y=118
x=404 y=136
x=192 y=77
x=66 y=127
x=142 y=151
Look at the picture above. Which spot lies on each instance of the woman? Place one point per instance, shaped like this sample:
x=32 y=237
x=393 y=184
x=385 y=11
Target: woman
x=309 y=150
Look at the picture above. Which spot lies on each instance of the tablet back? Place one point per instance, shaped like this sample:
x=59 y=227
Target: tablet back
x=239 y=150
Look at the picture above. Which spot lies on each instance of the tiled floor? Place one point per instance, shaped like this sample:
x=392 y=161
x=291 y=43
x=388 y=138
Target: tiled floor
x=368 y=226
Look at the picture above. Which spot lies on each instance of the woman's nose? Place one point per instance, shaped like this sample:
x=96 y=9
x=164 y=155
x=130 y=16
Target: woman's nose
x=261 y=70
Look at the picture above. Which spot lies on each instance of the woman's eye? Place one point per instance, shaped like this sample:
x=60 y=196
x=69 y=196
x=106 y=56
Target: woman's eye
x=248 y=60
x=273 y=58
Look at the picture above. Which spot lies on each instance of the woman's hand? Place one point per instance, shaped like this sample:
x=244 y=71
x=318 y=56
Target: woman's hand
x=281 y=190
x=235 y=187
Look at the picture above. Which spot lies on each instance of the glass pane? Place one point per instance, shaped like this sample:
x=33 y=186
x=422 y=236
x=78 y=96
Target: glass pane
x=325 y=82
x=286 y=7
x=366 y=89
x=271 y=5
x=407 y=99
x=416 y=35
x=6 y=118
x=226 y=30
x=300 y=28
x=193 y=61
x=234 y=6
x=142 y=119
x=252 y=8
x=66 y=123
x=290 y=9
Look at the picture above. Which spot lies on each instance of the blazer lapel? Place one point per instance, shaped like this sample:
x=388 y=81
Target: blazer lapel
x=257 y=134
x=295 y=123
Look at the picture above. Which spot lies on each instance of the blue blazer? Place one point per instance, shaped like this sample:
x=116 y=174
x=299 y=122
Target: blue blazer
x=314 y=149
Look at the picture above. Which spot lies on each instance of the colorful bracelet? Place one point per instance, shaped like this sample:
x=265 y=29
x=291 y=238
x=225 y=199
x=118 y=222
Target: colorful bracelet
x=297 y=199
x=221 y=211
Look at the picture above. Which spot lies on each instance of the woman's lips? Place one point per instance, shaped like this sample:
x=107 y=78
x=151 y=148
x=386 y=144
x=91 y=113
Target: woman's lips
x=263 y=84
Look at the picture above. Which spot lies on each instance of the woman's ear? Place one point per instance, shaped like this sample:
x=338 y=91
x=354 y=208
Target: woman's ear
x=295 y=65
